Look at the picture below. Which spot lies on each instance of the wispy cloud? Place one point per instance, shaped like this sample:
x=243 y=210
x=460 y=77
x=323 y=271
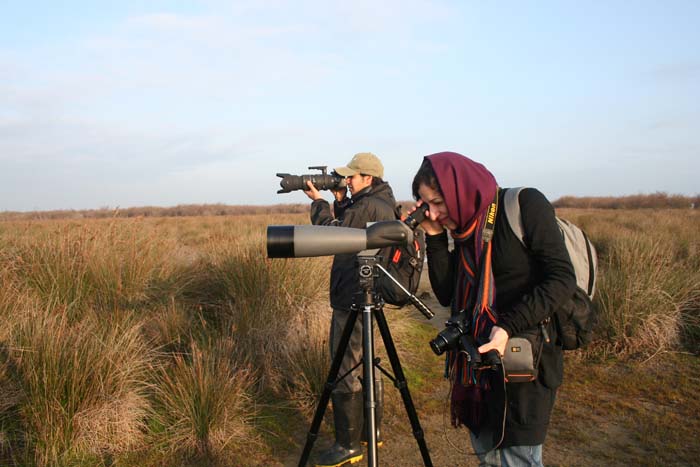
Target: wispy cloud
x=224 y=93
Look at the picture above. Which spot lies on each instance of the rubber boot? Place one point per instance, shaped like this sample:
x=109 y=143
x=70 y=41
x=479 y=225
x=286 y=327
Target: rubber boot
x=347 y=416
x=378 y=409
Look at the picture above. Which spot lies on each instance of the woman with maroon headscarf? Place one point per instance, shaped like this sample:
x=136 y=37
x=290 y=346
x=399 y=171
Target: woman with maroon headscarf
x=505 y=289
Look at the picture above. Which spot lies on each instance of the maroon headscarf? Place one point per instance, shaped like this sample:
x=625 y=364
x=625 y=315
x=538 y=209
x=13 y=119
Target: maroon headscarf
x=468 y=188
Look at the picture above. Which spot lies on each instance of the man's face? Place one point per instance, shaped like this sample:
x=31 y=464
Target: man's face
x=358 y=182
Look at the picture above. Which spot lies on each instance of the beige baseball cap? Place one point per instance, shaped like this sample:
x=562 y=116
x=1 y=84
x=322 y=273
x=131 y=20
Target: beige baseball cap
x=362 y=163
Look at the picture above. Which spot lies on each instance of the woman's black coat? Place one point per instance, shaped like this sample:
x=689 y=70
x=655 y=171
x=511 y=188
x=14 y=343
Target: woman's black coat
x=531 y=284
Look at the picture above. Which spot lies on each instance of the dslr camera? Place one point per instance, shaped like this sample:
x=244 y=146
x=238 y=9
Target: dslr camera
x=456 y=336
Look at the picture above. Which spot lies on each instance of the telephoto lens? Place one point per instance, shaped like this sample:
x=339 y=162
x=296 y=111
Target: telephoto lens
x=322 y=181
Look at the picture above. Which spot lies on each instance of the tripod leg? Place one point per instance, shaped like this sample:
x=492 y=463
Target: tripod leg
x=378 y=410
x=368 y=386
x=402 y=385
x=328 y=388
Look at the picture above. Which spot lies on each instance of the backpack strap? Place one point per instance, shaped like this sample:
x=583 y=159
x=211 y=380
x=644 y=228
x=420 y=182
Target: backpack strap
x=511 y=206
x=591 y=266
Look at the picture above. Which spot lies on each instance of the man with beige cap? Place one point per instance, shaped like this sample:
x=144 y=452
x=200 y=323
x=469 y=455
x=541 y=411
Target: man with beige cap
x=371 y=200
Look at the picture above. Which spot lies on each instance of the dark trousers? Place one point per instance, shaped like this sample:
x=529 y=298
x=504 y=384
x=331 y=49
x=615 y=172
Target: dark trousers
x=353 y=353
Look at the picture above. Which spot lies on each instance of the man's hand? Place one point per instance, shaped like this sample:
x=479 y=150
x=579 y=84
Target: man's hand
x=430 y=226
x=497 y=340
x=312 y=192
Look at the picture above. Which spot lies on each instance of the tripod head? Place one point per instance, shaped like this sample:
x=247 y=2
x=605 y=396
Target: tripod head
x=369 y=269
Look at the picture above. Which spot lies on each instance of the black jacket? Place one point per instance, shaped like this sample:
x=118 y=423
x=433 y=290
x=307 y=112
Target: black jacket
x=531 y=284
x=372 y=204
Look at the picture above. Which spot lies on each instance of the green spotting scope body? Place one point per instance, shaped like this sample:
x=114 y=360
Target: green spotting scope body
x=299 y=241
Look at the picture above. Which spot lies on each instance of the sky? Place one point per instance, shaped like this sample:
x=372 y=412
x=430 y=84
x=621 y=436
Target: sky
x=160 y=103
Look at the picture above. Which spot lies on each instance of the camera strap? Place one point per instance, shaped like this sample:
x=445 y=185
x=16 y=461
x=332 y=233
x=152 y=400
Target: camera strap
x=491 y=219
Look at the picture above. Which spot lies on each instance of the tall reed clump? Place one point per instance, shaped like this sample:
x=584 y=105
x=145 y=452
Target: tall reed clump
x=256 y=299
x=244 y=311
x=9 y=294
x=304 y=358
x=13 y=306
x=10 y=397
x=648 y=280
x=104 y=266
x=83 y=386
x=640 y=296
x=203 y=408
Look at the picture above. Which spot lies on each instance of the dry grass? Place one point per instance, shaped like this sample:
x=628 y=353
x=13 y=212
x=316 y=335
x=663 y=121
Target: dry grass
x=622 y=414
x=203 y=404
x=160 y=341
x=305 y=356
x=134 y=339
x=657 y=200
x=649 y=280
x=106 y=266
x=82 y=386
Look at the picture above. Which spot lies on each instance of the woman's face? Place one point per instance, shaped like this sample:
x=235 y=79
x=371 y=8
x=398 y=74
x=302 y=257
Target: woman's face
x=437 y=209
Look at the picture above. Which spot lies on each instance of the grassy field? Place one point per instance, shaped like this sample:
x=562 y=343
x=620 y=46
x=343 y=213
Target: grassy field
x=176 y=342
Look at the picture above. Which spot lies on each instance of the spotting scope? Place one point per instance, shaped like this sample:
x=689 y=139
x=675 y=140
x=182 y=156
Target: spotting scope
x=299 y=241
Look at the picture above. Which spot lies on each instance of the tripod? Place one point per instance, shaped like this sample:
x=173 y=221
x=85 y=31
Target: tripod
x=371 y=305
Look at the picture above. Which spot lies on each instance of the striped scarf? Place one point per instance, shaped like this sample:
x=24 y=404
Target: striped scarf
x=476 y=293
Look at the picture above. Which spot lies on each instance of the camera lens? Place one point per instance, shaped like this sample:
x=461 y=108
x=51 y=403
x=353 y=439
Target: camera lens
x=446 y=339
x=438 y=345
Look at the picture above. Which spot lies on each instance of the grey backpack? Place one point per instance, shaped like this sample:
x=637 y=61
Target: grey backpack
x=574 y=321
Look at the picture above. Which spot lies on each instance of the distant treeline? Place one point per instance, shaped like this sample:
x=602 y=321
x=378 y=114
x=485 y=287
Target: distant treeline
x=657 y=200
x=183 y=210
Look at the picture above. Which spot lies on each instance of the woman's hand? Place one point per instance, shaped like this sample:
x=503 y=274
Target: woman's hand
x=497 y=340
x=430 y=226
x=312 y=192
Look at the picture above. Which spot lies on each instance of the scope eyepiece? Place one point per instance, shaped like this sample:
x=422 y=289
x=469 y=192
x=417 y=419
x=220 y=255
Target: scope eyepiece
x=417 y=216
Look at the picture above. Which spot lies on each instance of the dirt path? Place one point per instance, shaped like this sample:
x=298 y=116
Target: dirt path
x=599 y=418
